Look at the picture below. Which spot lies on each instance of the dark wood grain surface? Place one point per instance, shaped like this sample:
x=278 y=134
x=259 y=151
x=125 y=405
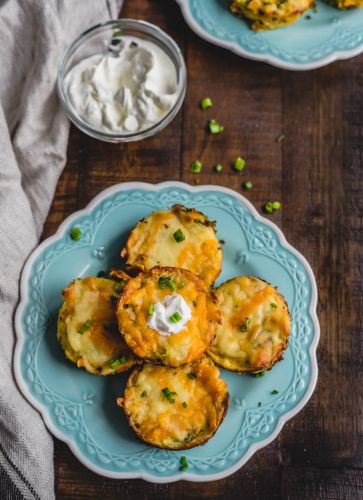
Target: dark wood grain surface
x=317 y=173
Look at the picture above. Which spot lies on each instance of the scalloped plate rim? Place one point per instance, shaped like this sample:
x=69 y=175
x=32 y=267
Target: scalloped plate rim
x=185 y=476
x=338 y=55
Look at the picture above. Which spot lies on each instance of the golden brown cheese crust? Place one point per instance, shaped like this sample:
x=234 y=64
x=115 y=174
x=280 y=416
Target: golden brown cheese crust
x=255 y=325
x=89 y=301
x=270 y=14
x=348 y=4
x=175 y=349
x=185 y=419
x=152 y=243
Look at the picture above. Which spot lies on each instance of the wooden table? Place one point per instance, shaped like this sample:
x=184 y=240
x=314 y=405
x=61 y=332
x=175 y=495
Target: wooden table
x=317 y=173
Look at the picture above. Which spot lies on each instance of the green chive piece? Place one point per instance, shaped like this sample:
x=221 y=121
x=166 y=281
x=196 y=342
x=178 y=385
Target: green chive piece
x=274 y=392
x=119 y=287
x=272 y=206
x=239 y=164
x=245 y=326
x=248 y=185
x=273 y=306
x=169 y=395
x=268 y=207
x=181 y=284
x=196 y=167
x=260 y=374
x=215 y=127
x=218 y=168
x=167 y=282
x=116 y=33
x=115 y=363
x=280 y=138
x=276 y=205
x=75 y=234
x=183 y=463
x=85 y=326
x=151 y=309
x=184 y=404
x=259 y=404
x=175 y=318
x=179 y=236
x=143 y=394
x=206 y=103
x=192 y=375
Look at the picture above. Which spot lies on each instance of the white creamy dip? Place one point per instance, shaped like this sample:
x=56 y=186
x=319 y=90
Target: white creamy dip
x=165 y=308
x=128 y=89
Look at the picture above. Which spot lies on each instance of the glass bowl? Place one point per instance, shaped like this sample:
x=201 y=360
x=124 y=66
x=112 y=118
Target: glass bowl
x=97 y=40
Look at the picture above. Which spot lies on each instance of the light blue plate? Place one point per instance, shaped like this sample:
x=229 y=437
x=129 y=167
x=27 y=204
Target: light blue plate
x=80 y=408
x=329 y=35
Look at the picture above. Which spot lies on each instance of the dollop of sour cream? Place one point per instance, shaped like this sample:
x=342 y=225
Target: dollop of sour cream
x=165 y=308
x=128 y=89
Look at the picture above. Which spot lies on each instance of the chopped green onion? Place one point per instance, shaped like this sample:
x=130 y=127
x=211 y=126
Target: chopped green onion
x=118 y=361
x=151 y=309
x=245 y=326
x=268 y=207
x=272 y=206
x=179 y=236
x=248 y=185
x=116 y=33
x=175 y=318
x=119 y=287
x=276 y=205
x=206 y=103
x=218 y=168
x=239 y=164
x=169 y=395
x=184 y=404
x=181 y=284
x=273 y=306
x=215 y=127
x=260 y=374
x=183 y=463
x=143 y=394
x=85 y=326
x=274 y=392
x=280 y=138
x=192 y=375
x=167 y=282
x=196 y=167
x=75 y=234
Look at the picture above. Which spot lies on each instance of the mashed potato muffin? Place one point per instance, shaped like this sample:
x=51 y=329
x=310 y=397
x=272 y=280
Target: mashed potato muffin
x=255 y=325
x=87 y=326
x=270 y=14
x=167 y=315
x=175 y=408
x=179 y=237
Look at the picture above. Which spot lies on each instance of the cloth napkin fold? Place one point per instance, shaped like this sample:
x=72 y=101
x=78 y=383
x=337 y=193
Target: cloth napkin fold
x=33 y=142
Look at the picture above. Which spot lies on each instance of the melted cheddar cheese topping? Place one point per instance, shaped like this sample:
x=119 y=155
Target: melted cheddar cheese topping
x=87 y=327
x=152 y=243
x=255 y=325
x=175 y=408
x=270 y=14
x=179 y=348
x=348 y=4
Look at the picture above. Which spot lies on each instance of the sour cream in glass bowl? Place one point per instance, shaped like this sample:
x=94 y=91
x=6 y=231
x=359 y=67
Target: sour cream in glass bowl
x=122 y=81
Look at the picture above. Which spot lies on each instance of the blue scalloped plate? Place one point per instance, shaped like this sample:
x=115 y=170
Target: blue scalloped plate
x=80 y=408
x=329 y=35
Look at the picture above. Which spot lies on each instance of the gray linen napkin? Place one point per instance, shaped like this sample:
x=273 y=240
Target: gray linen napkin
x=33 y=142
